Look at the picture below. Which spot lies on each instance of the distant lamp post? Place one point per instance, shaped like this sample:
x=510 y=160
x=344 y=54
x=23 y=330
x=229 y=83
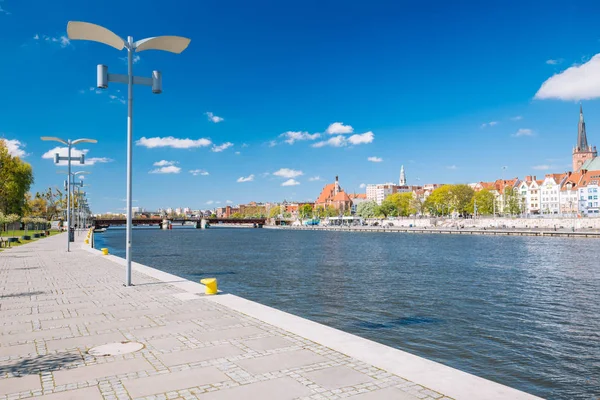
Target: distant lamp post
x=96 y=33
x=58 y=158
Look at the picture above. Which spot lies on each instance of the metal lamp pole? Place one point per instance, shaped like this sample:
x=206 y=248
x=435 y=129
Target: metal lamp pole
x=96 y=33
x=57 y=158
x=71 y=183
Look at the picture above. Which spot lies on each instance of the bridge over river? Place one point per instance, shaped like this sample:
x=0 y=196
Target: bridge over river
x=163 y=223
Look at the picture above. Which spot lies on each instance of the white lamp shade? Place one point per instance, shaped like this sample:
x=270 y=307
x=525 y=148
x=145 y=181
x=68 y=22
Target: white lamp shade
x=173 y=44
x=85 y=31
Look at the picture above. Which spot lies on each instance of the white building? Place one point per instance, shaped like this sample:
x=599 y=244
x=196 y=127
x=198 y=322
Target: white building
x=588 y=194
x=378 y=192
x=529 y=191
x=550 y=193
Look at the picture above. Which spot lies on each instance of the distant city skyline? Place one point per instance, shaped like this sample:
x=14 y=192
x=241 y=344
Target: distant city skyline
x=272 y=102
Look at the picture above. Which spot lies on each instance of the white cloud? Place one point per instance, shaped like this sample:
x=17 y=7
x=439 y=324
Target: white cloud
x=15 y=148
x=375 y=159
x=272 y=143
x=220 y=148
x=197 y=172
x=580 y=82
x=64 y=152
x=175 y=143
x=363 y=138
x=171 y=169
x=136 y=59
x=491 y=123
x=452 y=167
x=297 y=135
x=543 y=167
x=164 y=163
x=228 y=202
x=554 y=62
x=213 y=118
x=523 y=132
x=362 y=185
x=314 y=178
x=119 y=99
x=36 y=37
x=290 y=182
x=516 y=118
x=288 y=173
x=237 y=153
x=210 y=202
x=338 y=128
x=63 y=41
x=336 y=141
x=249 y=178
x=245 y=145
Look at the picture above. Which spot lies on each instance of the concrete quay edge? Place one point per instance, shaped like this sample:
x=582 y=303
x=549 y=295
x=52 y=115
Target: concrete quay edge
x=433 y=375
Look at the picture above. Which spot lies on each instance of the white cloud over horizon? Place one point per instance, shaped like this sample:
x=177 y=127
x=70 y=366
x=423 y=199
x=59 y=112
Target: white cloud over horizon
x=222 y=147
x=362 y=185
x=15 y=147
x=523 y=132
x=288 y=173
x=293 y=136
x=375 y=159
x=249 y=178
x=213 y=118
x=62 y=40
x=314 y=178
x=173 y=142
x=338 y=128
x=171 y=169
x=197 y=172
x=579 y=82
x=290 y=182
x=491 y=123
x=341 y=141
x=164 y=163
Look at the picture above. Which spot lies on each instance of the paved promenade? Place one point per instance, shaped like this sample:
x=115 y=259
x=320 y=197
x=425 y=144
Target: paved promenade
x=55 y=306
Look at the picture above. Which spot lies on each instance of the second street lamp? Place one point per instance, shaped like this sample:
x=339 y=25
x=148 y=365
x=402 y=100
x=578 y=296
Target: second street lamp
x=96 y=33
x=58 y=158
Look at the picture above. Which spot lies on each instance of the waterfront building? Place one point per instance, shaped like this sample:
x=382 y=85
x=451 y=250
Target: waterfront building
x=588 y=194
x=584 y=156
x=550 y=193
x=402 y=181
x=529 y=190
x=357 y=198
x=333 y=195
x=569 y=193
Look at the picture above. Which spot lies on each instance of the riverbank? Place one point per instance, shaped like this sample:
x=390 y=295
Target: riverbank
x=450 y=231
x=59 y=304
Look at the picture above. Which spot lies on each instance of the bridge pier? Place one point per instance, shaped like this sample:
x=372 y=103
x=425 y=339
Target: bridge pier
x=166 y=224
x=202 y=224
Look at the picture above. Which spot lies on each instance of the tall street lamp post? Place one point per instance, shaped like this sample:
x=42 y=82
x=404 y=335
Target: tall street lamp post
x=96 y=33
x=70 y=182
x=58 y=158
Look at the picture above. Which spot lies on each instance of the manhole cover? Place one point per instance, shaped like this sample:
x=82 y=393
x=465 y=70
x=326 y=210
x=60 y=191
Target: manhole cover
x=113 y=349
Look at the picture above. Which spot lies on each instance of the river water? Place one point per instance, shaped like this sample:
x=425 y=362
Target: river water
x=521 y=311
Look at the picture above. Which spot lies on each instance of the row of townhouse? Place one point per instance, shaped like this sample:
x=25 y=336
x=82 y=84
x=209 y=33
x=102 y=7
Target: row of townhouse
x=567 y=193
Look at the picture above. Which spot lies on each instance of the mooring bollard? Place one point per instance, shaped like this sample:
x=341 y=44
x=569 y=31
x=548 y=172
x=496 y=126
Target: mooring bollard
x=104 y=251
x=211 y=285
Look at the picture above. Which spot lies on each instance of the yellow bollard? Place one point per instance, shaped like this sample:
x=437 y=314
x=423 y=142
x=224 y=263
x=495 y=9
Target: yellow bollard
x=87 y=241
x=104 y=251
x=211 y=285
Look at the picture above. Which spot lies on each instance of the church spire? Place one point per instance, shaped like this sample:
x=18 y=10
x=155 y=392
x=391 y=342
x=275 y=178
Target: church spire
x=402 y=176
x=582 y=144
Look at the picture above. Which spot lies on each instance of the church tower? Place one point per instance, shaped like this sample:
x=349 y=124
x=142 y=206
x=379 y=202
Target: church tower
x=582 y=151
x=402 y=176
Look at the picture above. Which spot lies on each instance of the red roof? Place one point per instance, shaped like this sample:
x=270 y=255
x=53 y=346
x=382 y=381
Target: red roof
x=326 y=194
x=341 y=196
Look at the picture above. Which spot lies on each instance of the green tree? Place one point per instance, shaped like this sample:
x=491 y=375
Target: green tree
x=274 y=212
x=367 y=209
x=485 y=202
x=439 y=201
x=331 y=211
x=386 y=209
x=16 y=177
x=461 y=198
x=236 y=215
x=305 y=211
x=512 y=201
x=320 y=212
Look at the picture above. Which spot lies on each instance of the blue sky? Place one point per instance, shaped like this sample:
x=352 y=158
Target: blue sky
x=416 y=84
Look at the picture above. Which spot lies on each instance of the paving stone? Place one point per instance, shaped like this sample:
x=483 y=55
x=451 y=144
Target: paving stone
x=337 y=377
x=275 y=389
x=165 y=344
x=20 y=384
x=88 y=393
x=93 y=372
x=119 y=324
x=55 y=323
x=226 y=334
x=280 y=361
x=197 y=355
x=173 y=381
x=384 y=394
x=196 y=315
x=18 y=350
x=85 y=341
x=164 y=330
x=268 y=343
x=221 y=322
x=29 y=336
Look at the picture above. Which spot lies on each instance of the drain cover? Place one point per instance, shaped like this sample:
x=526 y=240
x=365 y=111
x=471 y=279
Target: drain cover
x=113 y=349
